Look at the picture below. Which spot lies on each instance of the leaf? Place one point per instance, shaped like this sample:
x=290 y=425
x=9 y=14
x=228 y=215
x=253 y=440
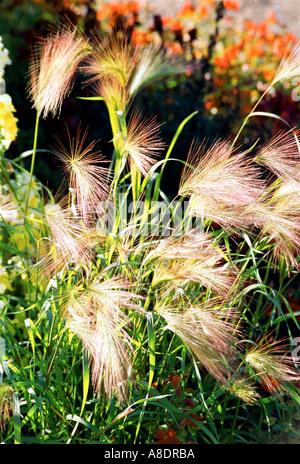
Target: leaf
x=27 y=153
x=17 y=418
x=85 y=423
x=86 y=377
x=91 y=98
x=275 y=116
x=171 y=146
x=151 y=346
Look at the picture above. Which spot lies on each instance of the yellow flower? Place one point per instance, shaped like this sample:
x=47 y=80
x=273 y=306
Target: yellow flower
x=8 y=122
x=4 y=280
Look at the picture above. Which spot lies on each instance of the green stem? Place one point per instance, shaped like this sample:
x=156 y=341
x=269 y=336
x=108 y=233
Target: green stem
x=136 y=182
x=249 y=115
x=32 y=163
x=234 y=420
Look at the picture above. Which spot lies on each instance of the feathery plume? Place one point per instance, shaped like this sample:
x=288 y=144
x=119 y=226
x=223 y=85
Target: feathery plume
x=245 y=390
x=142 y=142
x=131 y=65
x=221 y=185
x=9 y=210
x=52 y=70
x=273 y=367
x=193 y=258
x=289 y=66
x=281 y=155
x=153 y=63
x=207 y=329
x=87 y=178
x=6 y=404
x=113 y=93
x=278 y=216
x=96 y=315
x=71 y=239
x=113 y=57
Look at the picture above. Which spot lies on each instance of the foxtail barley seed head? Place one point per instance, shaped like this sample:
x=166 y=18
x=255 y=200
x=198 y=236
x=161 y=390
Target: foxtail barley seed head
x=96 y=314
x=221 y=184
x=52 y=69
x=9 y=210
x=142 y=143
x=113 y=93
x=88 y=178
x=193 y=258
x=208 y=331
x=289 y=66
x=277 y=214
x=272 y=366
x=113 y=57
x=244 y=389
x=281 y=155
x=6 y=404
x=154 y=62
x=70 y=237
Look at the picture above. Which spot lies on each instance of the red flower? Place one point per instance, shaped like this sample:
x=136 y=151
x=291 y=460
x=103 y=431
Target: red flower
x=167 y=437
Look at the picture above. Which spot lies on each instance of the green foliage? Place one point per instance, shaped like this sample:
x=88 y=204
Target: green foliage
x=102 y=339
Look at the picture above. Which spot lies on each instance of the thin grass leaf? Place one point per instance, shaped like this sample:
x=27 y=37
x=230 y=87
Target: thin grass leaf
x=92 y=98
x=17 y=419
x=170 y=149
x=86 y=377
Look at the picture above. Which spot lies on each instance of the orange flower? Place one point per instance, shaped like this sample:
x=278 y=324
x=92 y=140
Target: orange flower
x=140 y=37
x=231 y=4
x=174 y=379
x=268 y=74
x=209 y=104
x=175 y=48
x=203 y=12
x=167 y=437
x=222 y=62
x=191 y=423
x=114 y=10
x=171 y=23
x=204 y=3
x=219 y=82
x=186 y=11
x=271 y=19
x=198 y=54
x=255 y=50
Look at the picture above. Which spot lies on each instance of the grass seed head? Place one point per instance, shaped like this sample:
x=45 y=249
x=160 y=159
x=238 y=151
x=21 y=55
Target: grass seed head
x=193 y=258
x=88 y=178
x=54 y=63
x=9 y=210
x=281 y=155
x=6 y=404
x=289 y=66
x=208 y=330
x=113 y=57
x=221 y=184
x=272 y=365
x=96 y=314
x=142 y=143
